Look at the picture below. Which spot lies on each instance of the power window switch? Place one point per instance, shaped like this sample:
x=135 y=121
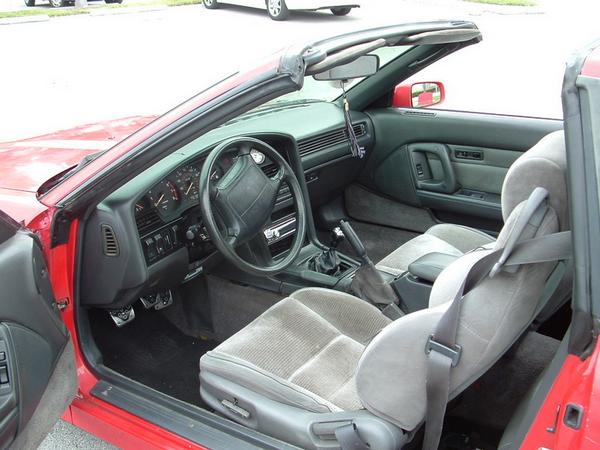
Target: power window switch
x=3 y=375
x=420 y=170
x=2 y=356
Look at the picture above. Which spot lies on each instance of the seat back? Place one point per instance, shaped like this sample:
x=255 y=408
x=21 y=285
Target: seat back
x=391 y=376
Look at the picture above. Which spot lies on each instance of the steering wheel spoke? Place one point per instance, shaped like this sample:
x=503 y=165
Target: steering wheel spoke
x=258 y=250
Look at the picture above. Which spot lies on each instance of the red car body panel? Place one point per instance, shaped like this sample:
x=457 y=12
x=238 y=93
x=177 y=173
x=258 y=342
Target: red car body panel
x=591 y=67
x=578 y=383
x=28 y=163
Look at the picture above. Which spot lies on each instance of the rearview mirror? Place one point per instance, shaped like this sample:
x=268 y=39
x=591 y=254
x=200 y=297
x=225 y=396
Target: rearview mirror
x=363 y=66
x=418 y=95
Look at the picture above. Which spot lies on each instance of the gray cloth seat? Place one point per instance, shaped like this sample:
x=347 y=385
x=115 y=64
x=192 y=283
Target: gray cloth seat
x=446 y=238
x=321 y=359
x=457 y=239
x=304 y=350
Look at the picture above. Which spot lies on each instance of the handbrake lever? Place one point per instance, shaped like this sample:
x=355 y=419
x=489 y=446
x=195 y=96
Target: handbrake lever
x=355 y=242
x=368 y=282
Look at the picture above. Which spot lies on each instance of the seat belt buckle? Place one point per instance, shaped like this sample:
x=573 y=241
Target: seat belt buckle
x=452 y=353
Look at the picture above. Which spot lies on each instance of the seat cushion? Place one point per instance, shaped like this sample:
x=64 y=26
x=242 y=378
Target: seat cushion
x=303 y=351
x=443 y=238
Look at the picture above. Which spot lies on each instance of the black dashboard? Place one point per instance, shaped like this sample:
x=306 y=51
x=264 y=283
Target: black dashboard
x=149 y=234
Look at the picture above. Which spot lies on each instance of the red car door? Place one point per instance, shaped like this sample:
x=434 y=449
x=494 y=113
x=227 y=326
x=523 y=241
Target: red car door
x=37 y=369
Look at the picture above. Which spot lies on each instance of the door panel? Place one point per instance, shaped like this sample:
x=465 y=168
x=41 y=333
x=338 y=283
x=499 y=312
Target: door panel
x=32 y=341
x=453 y=163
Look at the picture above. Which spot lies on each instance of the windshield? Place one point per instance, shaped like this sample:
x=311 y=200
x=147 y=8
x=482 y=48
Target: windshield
x=328 y=91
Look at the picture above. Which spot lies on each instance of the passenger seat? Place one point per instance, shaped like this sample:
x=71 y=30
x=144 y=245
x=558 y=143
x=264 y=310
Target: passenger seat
x=457 y=240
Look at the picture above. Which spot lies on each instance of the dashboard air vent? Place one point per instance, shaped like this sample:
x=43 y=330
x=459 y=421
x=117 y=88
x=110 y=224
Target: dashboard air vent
x=329 y=139
x=147 y=222
x=109 y=240
x=269 y=170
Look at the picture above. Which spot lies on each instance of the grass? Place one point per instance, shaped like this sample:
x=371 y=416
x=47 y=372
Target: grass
x=506 y=2
x=58 y=12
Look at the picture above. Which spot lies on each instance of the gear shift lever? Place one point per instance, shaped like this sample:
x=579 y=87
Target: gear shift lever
x=368 y=283
x=328 y=262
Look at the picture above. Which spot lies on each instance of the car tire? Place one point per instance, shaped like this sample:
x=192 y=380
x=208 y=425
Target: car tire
x=110 y=2
x=58 y=3
x=210 y=4
x=29 y=2
x=340 y=11
x=277 y=9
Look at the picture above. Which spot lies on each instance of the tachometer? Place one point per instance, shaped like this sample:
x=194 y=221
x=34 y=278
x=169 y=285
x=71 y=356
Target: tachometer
x=187 y=179
x=164 y=197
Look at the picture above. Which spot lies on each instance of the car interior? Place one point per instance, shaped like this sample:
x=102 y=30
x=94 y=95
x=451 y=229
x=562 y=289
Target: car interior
x=284 y=270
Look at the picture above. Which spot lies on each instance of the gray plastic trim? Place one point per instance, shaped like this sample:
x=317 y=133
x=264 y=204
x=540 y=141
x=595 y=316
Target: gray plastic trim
x=306 y=429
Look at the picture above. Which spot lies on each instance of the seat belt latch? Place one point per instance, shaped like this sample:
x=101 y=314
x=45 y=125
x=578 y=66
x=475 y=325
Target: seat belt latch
x=452 y=353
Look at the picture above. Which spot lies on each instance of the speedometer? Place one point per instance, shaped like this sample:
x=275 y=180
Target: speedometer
x=164 y=197
x=187 y=179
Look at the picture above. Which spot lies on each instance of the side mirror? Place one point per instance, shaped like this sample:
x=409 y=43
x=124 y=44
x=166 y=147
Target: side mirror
x=418 y=95
x=362 y=66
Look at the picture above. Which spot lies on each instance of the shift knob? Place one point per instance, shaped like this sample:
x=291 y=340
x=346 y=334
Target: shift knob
x=337 y=236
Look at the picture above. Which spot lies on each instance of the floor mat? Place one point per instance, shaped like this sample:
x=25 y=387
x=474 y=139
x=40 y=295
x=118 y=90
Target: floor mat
x=152 y=351
x=377 y=239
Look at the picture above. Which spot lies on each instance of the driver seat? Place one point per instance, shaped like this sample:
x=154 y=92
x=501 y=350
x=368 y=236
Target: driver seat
x=322 y=361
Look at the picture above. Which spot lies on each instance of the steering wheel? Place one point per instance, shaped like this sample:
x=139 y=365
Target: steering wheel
x=238 y=206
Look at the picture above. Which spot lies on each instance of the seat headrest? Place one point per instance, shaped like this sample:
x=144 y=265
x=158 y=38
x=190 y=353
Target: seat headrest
x=544 y=165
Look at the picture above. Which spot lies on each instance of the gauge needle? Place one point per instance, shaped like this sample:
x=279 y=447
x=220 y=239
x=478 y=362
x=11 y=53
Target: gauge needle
x=189 y=187
x=159 y=200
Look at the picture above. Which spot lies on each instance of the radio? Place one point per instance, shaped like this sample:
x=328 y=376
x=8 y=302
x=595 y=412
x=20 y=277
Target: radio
x=280 y=229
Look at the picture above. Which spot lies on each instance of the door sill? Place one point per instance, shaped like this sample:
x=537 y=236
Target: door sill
x=186 y=420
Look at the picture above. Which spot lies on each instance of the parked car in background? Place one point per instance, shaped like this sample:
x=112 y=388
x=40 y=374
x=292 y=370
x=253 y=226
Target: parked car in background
x=61 y=3
x=280 y=9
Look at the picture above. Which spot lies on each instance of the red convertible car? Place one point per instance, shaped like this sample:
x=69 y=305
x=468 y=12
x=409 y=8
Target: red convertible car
x=301 y=256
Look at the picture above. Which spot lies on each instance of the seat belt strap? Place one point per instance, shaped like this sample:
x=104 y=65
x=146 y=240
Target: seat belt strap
x=349 y=439
x=441 y=348
x=533 y=211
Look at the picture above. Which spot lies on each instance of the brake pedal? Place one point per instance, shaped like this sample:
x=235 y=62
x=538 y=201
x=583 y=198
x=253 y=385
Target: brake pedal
x=157 y=301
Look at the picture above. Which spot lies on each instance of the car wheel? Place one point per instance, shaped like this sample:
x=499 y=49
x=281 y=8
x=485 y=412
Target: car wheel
x=58 y=3
x=29 y=2
x=113 y=1
x=277 y=9
x=340 y=11
x=210 y=4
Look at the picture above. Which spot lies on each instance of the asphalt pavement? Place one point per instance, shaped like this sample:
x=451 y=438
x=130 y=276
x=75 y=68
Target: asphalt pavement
x=69 y=71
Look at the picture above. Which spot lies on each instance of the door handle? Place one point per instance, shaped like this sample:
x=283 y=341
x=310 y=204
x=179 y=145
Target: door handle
x=423 y=176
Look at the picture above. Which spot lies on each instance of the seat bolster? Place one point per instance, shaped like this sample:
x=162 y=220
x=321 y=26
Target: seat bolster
x=271 y=386
x=398 y=261
x=463 y=238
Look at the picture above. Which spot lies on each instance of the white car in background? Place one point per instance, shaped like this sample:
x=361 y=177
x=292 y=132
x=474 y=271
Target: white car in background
x=280 y=9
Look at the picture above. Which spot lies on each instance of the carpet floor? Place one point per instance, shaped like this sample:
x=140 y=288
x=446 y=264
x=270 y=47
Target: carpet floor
x=152 y=351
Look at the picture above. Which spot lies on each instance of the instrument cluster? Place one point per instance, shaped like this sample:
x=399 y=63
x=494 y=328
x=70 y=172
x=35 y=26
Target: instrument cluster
x=180 y=190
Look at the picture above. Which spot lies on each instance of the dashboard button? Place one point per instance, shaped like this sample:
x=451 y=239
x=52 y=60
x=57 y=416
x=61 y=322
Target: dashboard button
x=167 y=239
x=150 y=249
x=3 y=375
x=174 y=229
x=160 y=244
